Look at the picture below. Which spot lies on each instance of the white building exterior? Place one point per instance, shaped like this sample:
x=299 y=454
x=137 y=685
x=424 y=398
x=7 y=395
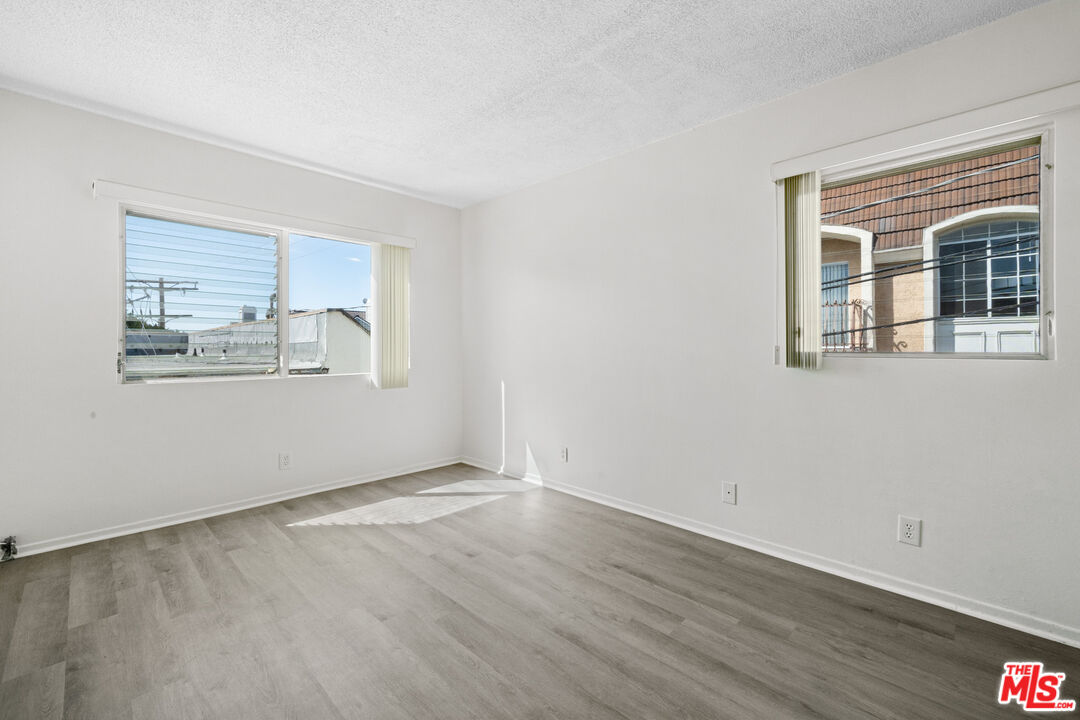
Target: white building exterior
x=320 y=342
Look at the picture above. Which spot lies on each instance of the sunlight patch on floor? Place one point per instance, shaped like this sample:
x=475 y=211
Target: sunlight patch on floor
x=502 y=485
x=400 y=511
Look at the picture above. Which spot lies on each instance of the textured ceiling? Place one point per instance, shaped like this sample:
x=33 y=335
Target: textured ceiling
x=459 y=100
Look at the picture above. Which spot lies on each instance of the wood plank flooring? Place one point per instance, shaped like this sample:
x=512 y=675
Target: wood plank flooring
x=369 y=602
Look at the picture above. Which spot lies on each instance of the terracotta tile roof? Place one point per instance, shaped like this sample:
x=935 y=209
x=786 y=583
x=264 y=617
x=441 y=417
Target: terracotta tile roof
x=896 y=208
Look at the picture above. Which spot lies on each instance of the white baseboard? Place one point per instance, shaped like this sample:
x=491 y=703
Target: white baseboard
x=205 y=512
x=485 y=465
x=968 y=606
x=491 y=467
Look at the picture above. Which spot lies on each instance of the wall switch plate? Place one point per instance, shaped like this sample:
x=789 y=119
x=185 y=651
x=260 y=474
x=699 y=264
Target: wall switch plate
x=730 y=489
x=284 y=462
x=909 y=531
x=565 y=455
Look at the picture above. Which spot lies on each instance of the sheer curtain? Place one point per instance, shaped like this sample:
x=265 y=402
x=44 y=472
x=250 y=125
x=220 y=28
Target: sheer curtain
x=391 y=327
x=802 y=244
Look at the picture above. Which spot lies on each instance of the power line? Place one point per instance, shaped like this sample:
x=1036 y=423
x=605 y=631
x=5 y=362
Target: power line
x=886 y=273
x=969 y=313
x=974 y=253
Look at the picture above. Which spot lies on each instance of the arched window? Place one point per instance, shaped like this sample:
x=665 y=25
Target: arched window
x=990 y=269
x=984 y=291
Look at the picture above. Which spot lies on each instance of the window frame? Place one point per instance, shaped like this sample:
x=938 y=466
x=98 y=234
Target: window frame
x=282 y=234
x=942 y=151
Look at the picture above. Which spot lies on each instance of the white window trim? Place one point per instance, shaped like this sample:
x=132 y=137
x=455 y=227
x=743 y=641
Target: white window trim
x=1020 y=117
x=210 y=211
x=251 y=225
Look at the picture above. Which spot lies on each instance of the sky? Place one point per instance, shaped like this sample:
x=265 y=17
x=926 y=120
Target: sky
x=209 y=274
x=328 y=273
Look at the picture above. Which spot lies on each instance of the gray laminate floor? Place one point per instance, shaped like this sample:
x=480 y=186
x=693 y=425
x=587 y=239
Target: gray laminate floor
x=485 y=601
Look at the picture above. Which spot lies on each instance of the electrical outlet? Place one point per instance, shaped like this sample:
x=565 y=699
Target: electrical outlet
x=909 y=531
x=565 y=455
x=284 y=462
x=730 y=490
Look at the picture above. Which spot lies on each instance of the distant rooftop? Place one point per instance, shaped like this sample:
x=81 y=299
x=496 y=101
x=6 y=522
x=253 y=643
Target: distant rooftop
x=356 y=316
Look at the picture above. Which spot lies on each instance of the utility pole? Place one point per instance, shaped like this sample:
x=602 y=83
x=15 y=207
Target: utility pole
x=162 y=286
x=161 y=302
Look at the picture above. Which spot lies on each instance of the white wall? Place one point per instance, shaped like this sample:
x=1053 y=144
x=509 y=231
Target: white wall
x=629 y=310
x=80 y=454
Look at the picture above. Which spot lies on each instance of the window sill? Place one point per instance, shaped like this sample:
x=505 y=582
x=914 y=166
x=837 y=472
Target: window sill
x=368 y=384
x=939 y=356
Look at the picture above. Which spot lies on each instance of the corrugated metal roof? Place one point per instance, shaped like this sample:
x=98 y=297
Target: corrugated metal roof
x=897 y=208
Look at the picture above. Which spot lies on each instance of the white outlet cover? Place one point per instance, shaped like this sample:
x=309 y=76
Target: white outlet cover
x=909 y=530
x=730 y=493
x=283 y=461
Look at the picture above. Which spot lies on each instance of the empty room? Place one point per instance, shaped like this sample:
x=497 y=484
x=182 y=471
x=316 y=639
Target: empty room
x=553 y=360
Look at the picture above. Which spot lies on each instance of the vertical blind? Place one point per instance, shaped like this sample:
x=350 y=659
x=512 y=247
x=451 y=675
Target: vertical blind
x=391 y=329
x=199 y=301
x=802 y=263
